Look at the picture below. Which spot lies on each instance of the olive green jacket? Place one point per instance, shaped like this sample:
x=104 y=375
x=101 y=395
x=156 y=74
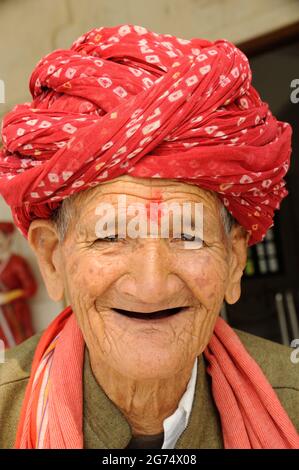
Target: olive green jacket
x=105 y=427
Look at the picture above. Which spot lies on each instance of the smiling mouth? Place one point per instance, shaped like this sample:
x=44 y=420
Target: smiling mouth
x=151 y=315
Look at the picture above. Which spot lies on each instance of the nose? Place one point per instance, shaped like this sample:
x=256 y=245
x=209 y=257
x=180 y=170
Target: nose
x=150 y=278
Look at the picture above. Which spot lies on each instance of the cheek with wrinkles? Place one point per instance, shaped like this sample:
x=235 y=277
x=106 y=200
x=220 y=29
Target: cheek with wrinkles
x=203 y=324
x=207 y=279
x=207 y=282
x=89 y=280
x=212 y=269
x=98 y=332
x=111 y=339
x=89 y=275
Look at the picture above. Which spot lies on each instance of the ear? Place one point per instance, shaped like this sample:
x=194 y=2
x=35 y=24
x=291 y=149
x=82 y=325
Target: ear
x=237 y=262
x=43 y=239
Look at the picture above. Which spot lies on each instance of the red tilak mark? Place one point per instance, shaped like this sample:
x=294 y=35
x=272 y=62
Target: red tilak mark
x=154 y=212
x=157 y=194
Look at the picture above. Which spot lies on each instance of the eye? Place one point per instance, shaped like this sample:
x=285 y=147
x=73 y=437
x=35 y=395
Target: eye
x=109 y=239
x=186 y=237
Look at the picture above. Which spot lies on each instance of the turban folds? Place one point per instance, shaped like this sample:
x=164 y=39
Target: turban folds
x=125 y=100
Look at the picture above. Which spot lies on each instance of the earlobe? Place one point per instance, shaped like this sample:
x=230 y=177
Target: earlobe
x=44 y=241
x=237 y=263
x=233 y=293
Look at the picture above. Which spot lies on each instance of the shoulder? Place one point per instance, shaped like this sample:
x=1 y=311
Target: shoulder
x=17 y=364
x=278 y=365
x=274 y=359
x=14 y=375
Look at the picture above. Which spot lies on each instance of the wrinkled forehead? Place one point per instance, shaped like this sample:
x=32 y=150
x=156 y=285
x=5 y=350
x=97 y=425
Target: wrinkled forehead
x=203 y=205
x=148 y=189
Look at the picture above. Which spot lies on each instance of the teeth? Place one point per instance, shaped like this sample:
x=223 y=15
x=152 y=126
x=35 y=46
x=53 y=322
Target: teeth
x=151 y=315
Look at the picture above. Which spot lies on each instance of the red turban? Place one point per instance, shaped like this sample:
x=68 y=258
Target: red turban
x=128 y=100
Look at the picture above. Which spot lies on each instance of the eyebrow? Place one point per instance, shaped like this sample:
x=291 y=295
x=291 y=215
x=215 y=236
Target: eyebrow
x=86 y=228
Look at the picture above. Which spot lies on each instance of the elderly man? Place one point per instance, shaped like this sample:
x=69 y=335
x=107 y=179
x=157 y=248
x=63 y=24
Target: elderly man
x=141 y=358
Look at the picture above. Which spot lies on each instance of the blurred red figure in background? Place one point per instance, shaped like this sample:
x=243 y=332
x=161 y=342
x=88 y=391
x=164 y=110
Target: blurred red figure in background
x=17 y=283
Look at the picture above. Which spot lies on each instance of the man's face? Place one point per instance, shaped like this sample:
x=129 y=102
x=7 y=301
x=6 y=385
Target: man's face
x=143 y=276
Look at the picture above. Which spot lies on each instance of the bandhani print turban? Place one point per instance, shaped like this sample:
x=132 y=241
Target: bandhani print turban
x=127 y=100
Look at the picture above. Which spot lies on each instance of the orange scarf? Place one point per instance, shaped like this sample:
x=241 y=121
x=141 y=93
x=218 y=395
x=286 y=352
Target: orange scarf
x=52 y=413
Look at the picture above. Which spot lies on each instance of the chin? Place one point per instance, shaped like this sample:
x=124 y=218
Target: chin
x=150 y=365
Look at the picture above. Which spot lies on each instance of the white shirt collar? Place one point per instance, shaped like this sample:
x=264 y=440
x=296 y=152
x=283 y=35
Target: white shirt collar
x=176 y=423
